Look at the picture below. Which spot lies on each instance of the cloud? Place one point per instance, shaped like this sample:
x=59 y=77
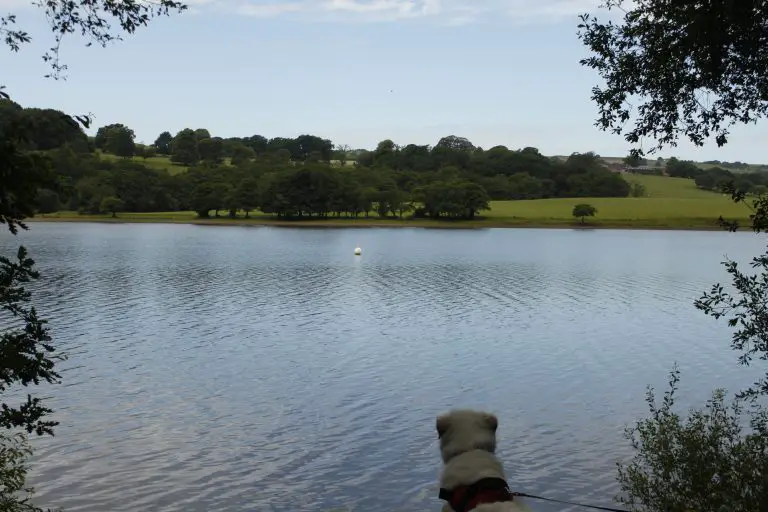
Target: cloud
x=269 y=10
x=451 y=12
x=342 y=10
x=395 y=8
x=549 y=9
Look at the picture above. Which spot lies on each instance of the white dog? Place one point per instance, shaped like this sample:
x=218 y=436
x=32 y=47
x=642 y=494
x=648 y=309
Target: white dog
x=473 y=477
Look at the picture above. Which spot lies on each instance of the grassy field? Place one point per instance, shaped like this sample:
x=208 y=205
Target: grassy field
x=671 y=203
x=155 y=162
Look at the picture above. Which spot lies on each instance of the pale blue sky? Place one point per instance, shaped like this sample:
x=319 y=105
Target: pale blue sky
x=354 y=71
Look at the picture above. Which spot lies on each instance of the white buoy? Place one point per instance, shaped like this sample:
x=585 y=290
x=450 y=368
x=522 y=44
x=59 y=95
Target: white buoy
x=358 y=251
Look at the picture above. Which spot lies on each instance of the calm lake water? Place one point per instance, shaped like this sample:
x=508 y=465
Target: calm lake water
x=245 y=369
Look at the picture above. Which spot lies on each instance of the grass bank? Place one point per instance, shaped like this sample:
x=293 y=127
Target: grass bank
x=670 y=203
x=484 y=223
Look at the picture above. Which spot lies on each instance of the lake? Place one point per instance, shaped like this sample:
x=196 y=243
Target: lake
x=257 y=368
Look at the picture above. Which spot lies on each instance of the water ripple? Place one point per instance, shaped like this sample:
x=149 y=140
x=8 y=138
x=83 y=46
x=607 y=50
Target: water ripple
x=267 y=369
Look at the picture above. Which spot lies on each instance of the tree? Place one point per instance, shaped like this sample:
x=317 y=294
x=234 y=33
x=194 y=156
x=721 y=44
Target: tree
x=163 y=143
x=47 y=128
x=47 y=201
x=101 y=134
x=242 y=154
x=258 y=143
x=15 y=495
x=202 y=133
x=692 y=69
x=583 y=210
x=247 y=196
x=746 y=309
x=305 y=145
x=682 y=169
x=455 y=143
x=119 y=141
x=453 y=199
x=210 y=150
x=184 y=148
x=112 y=205
x=634 y=160
x=209 y=196
x=341 y=154
x=26 y=350
x=385 y=147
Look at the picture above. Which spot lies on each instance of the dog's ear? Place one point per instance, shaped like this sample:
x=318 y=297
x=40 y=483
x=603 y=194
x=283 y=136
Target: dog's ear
x=442 y=425
x=492 y=421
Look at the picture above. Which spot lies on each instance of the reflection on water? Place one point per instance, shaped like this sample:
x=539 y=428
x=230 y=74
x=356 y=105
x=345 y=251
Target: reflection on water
x=233 y=368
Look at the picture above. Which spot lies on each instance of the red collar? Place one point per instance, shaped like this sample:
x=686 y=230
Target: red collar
x=467 y=497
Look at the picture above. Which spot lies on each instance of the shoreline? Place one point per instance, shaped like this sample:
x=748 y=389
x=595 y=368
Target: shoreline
x=379 y=223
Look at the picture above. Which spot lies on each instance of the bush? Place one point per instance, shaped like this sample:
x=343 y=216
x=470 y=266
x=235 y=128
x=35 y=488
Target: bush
x=714 y=460
x=26 y=357
x=15 y=496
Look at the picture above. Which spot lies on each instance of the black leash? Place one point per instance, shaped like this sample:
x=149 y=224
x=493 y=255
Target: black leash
x=594 y=507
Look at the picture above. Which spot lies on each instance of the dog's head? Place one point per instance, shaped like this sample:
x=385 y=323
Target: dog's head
x=465 y=430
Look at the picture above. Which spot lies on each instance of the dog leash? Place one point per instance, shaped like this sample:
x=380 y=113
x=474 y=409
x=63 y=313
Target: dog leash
x=593 y=507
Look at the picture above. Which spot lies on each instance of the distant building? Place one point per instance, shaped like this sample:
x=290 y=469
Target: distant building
x=615 y=167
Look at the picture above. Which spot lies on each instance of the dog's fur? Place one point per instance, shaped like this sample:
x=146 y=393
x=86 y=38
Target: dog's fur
x=467 y=446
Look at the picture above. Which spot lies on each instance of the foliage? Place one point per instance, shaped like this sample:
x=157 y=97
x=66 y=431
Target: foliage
x=163 y=143
x=682 y=169
x=707 y=462
x=91 y=18
x=47 y=201
x=747 y=311
x=241 y=154
x=145 y=152
x=43 y=129
x=25 y=350
x=27 y=137
x=119 y=141
x=341 y=153
x=453 y=180
x=693 y=68
x=15 y=495
x=716 y=458
x=452 y=199
x=22 y=173
x=210 y=150
x=184 y=148
x=635 y=160
x=100 y=140
x=112 y=204
x=247 y=197
x=583 y=210
x=758 y=204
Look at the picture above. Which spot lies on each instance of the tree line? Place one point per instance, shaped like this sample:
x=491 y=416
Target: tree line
x=715 y=179
x=300 y=177
x=718 y=178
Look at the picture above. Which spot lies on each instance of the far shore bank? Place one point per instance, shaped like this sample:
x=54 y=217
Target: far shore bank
x=362 y=223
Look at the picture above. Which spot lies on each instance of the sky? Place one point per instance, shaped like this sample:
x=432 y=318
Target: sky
x=354 y=71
